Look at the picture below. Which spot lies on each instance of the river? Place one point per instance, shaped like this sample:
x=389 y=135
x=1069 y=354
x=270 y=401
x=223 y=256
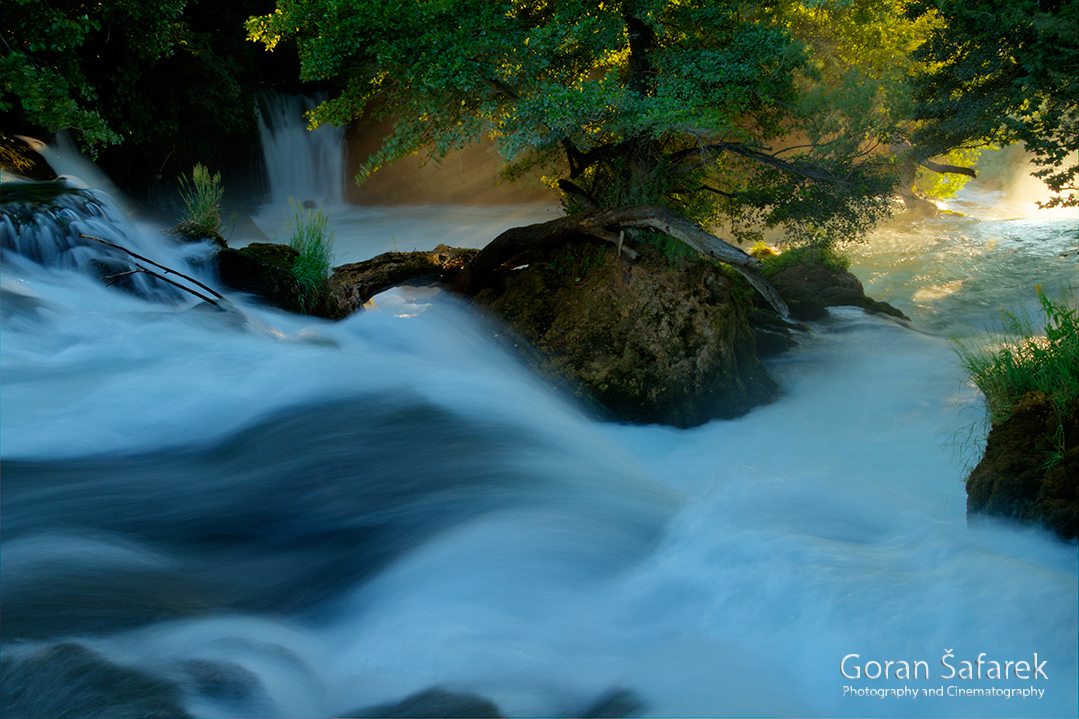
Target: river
x=275 y=515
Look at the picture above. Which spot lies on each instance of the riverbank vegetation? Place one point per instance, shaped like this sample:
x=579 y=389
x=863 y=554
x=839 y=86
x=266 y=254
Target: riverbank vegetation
x=1025 y=359
x=729 y=112
x=1002 y=73
x=147 y=89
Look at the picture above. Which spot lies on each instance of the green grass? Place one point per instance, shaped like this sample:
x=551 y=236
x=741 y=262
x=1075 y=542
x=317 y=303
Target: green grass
x=202 y=199
x=1025 y=359
x=311 y=236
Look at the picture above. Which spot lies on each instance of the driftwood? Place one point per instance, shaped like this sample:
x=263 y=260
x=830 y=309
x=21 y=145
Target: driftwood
x=522 y=245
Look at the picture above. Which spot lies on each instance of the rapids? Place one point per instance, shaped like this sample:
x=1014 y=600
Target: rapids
x=271 y=515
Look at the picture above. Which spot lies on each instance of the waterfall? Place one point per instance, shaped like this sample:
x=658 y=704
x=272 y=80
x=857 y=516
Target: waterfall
x=300 y=163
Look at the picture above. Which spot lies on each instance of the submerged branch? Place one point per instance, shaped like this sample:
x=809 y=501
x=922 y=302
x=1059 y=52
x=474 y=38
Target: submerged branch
x=160 y=266
x=140 y=269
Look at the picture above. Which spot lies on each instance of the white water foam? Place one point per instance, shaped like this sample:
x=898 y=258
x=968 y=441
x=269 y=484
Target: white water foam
x=829 y=523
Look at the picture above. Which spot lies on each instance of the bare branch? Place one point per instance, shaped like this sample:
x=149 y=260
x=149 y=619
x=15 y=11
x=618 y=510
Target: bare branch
x=948 y=169
x=139 y=268
x=159 y=266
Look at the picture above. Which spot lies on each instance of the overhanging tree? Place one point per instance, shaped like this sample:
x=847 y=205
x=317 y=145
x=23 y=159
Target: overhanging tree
x=693 y=105
x=999 y=73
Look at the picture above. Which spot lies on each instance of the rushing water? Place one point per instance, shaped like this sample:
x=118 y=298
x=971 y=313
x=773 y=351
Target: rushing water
x=278 y=516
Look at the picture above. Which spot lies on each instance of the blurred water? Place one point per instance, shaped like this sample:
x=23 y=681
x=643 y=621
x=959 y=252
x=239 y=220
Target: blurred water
x=301 y=164
x=280 y=516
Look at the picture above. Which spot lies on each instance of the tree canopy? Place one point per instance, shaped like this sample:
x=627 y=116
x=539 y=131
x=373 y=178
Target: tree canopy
x=171 y=80
x=716 y=110
x=999 y=73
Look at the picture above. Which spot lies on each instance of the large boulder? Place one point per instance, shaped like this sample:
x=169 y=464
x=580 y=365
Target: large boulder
x=1023 y=476
x=654 y=341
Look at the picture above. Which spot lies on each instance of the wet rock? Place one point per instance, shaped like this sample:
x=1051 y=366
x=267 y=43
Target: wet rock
x=655 y=341
x=20 y=156
x=230 y=684
x=195 y=232
x=774 y=335
x=615 y=703
x=69 y=680
x=265 y=270
x=1022 y=476
x=114 y=273
x=432 y=703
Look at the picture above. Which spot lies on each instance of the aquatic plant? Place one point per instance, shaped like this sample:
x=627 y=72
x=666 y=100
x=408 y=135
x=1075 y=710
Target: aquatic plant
x=311 y=236
x=202 y=199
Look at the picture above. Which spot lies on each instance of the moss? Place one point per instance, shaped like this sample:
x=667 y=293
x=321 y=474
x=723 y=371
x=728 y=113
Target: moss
x=651 y=341
x=36 y=193
x=807 y=255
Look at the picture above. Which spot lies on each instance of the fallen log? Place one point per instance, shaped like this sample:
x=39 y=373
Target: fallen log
x=353 y=285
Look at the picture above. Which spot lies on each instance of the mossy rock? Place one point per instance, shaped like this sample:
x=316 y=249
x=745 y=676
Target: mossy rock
x=265 y=270
x=652 y=341
x=1020 y=477
x=37 y=193
x=190 y=231
x=809 y=289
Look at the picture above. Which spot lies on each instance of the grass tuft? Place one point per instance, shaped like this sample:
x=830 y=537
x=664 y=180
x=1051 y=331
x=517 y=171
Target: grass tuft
x=1025 y=359
x=311 y=236
x=202 y=199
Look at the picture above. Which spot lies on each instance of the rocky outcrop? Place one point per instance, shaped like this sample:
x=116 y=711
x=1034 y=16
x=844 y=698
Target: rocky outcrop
x=809 y=289
x=265 y=270
x=655 y=341
x=190 y=231
x=1023 y=475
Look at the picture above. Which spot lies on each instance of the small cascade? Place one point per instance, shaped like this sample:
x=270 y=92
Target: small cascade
x=300 y=163
x=53 y=224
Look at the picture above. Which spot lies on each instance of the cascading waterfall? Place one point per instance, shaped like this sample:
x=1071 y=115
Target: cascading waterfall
x=67 y=228
x=305 y=165
x=249 y=513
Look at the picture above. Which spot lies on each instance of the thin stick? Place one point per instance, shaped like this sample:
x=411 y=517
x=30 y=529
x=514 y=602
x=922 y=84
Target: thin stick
x=167 y=270
x=113 y=278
